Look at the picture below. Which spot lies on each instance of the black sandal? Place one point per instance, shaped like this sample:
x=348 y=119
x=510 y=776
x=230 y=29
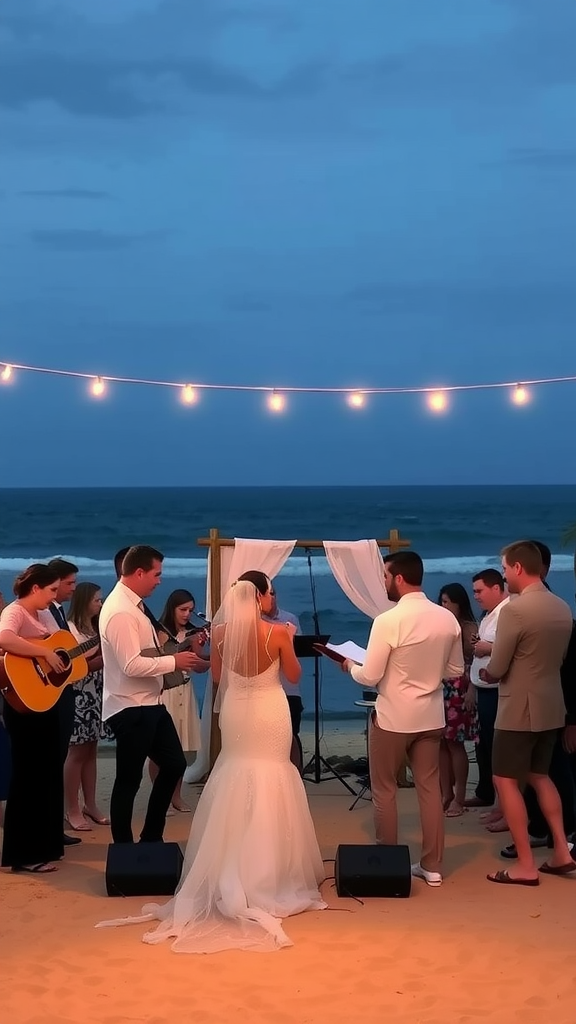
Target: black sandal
x=43 y=868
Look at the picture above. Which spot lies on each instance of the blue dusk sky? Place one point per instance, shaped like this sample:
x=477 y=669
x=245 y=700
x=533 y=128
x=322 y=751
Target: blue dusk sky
x=287 y=192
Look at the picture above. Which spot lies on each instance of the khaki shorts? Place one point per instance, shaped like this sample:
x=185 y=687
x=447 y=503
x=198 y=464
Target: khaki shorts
x=515 y=755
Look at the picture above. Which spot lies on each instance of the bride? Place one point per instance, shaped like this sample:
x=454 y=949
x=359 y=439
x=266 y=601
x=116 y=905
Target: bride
x=252 y=856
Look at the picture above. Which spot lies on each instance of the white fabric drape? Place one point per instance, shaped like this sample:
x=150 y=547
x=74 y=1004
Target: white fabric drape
x=266 y=555
x=359 y=569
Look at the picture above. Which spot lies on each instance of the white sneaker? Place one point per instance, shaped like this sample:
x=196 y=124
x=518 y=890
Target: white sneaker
x=433 y=878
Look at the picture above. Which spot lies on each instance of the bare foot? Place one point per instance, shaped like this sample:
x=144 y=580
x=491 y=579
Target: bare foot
x=180 y=806
x=501 y=825
x=490 y=816
x=454 y=810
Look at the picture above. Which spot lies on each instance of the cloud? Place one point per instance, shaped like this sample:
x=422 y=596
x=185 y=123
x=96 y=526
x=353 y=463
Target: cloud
x=540 y=156
x=522 y=300
x=65 y=193
x=86 y=240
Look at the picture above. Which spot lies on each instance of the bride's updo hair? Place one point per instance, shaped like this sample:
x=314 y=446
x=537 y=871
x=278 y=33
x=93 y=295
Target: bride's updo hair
x=257 y=578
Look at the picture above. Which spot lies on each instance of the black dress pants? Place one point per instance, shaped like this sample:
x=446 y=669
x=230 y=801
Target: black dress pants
x=35 y=804
x=142 y=732
x=487 y=704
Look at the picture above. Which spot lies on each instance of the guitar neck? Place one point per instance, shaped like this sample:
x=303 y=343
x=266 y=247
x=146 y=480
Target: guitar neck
x=86 y=645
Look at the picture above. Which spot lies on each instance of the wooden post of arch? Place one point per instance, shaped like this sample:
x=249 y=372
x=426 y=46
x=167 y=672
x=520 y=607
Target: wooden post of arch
x=214 y=542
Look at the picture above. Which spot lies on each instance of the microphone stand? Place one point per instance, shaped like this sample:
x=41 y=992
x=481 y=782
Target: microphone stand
x=317 y=762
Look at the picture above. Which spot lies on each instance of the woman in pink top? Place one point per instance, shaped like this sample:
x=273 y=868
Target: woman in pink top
x=35 y=804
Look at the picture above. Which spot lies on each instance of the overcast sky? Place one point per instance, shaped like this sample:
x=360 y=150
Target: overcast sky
x=287 y=192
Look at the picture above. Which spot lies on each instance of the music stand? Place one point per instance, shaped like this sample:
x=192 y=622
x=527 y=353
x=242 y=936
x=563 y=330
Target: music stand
x=304 y=648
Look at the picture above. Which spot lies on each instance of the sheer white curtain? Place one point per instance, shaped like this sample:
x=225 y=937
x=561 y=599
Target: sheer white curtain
x=359 y=569
x=266 y=555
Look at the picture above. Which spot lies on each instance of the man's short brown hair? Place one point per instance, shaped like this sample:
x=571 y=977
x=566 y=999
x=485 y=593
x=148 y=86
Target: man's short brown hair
x=140 y=556
x=526 y=554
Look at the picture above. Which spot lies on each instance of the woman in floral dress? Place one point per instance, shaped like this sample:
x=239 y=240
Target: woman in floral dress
x=80 y=768
x=461 y=715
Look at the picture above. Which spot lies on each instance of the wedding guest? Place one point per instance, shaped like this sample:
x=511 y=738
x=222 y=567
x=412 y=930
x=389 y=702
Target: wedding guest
x=411 y=648
x=56 y=618
x=489 y=591
x=131 y=704
x=559 y=772
x=181 y=700
x=533 y=634
x=460 y=709
x=81 y=767
x=4 y=762
x=292 y=691
x=35 y=804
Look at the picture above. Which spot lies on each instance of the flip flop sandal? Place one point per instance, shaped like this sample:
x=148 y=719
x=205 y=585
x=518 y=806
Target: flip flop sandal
x=45 y=868
x=503 y=878
x=563 y=869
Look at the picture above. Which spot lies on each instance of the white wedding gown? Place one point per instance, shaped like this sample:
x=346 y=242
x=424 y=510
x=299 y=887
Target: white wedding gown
x=252 y=856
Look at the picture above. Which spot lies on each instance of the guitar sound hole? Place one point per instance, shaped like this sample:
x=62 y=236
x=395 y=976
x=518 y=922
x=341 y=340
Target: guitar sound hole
x=59 y=678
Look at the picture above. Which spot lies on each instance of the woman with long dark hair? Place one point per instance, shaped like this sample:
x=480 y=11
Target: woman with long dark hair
x=461 y=716
x=35 y=804
x=180 y=701
x=81 y=765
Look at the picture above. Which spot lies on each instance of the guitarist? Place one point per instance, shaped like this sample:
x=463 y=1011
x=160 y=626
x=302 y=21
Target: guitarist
x=33 y=819
x=131 y=705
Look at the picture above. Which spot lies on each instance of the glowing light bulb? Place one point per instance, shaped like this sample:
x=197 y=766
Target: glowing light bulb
x=356 y=400
x=7 y=373
x=276 y=402
x=437 y=401
x=189 y=395
x=98 y=387
x=520 y=395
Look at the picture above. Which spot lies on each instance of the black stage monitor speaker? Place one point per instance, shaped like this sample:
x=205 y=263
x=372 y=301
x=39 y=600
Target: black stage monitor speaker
x=143 y=869
x=373 y=871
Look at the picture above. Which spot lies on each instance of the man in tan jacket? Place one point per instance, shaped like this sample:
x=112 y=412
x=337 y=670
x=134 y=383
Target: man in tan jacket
x=532 y=638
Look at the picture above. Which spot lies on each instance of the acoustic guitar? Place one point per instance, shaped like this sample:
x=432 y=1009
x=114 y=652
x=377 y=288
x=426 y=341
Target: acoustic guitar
x=29 y=684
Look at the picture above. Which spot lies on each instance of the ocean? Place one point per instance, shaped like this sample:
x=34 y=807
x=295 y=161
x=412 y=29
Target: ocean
x=457 y=530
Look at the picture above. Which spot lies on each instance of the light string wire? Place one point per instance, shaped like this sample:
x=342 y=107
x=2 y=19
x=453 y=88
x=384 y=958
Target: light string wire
x=287 y=389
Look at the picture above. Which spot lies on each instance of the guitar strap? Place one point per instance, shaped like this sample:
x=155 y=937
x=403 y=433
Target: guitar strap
x=157 y=626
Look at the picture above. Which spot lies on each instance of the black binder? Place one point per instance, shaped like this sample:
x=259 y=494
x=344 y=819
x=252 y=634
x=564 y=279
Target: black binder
x=304 y=645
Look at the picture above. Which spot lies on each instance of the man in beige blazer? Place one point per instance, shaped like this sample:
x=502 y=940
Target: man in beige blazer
x=532 y=638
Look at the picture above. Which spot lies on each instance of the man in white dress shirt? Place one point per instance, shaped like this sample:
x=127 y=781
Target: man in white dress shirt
x=489 y=591
x=131 y=703
x=412 y=648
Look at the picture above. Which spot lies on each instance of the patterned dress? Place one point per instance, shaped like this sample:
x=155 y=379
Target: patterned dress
x=461 y=724
x=88 y=725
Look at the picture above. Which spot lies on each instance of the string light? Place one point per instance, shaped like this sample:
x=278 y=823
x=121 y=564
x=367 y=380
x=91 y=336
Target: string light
x=520 y=395
x=356 y=400
x=98 y=387
x=276 y=402
x=437 y=401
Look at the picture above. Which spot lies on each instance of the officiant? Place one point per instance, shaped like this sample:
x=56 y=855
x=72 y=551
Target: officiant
x=293 y=692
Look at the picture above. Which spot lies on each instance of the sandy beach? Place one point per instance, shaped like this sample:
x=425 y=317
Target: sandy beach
x=467 y=952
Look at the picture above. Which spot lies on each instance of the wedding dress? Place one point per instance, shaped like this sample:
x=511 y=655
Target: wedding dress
x=252 y=857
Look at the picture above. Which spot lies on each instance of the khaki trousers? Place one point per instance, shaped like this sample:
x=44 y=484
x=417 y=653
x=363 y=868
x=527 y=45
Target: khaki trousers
x=387 y=751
